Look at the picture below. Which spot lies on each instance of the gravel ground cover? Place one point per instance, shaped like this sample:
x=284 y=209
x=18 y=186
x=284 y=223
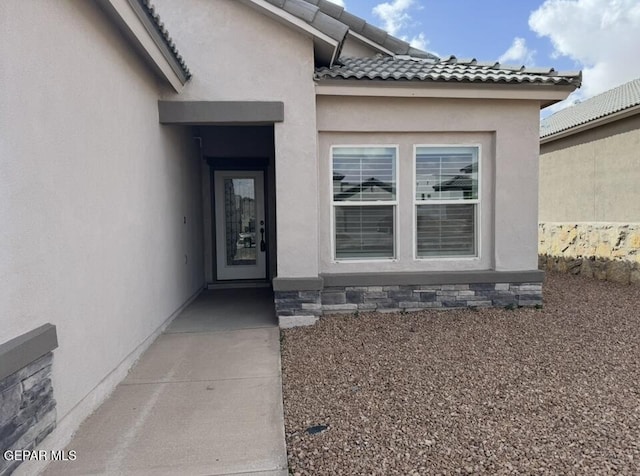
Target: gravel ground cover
x=494 y=391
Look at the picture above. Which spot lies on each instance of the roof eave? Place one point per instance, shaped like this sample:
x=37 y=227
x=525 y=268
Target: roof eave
x=601 y=121
x=544 y=93
x=130 y=17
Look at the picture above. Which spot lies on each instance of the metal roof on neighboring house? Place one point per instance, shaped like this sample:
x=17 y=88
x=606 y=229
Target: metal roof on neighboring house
x=166 y=38
x=615 y=100
x=450 y=69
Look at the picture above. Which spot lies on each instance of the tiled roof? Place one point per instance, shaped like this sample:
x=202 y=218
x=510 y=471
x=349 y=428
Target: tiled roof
x=612 y=101
x=375 y=34
x=166 y=38
x=334 y=21
x=312 y=15
x=450 y=69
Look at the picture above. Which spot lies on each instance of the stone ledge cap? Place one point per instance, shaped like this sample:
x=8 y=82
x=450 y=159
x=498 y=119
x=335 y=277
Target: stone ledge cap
x=20 y=351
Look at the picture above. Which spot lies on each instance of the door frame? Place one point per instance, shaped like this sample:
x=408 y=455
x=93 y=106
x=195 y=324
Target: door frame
x=248 y=164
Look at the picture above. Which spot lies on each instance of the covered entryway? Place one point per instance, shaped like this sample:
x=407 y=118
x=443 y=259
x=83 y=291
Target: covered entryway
x=240 y=205
x=237 y=148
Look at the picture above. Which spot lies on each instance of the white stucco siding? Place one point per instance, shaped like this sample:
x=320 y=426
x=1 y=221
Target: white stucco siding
x=505 y=130
x=93 y=195
x=238 y=54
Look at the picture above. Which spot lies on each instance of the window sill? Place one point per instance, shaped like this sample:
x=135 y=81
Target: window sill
x=447 y=258
x=361 y=261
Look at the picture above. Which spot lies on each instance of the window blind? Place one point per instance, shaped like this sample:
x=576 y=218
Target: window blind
x=446 y=174
x=446 y=230
x=364 y=231
x=362 y=174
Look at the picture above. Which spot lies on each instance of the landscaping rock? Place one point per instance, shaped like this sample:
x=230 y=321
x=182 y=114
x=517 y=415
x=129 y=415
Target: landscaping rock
x=488 y=391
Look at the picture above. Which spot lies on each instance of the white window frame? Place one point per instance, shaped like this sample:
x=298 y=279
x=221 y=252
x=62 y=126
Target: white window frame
x=477 y=202
x=393 y=203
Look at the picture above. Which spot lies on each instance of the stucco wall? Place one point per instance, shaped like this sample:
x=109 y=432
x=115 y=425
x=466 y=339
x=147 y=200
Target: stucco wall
x=355 y=48
x=592 y=176
x=93 y=195
x=237 y=53
x=508 y=133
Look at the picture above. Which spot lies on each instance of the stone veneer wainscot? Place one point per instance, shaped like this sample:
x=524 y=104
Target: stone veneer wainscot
x=299 y=307
x=27 y=406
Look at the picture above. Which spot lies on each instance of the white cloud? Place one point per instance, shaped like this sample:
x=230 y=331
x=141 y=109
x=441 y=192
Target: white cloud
x=394 y=15
x=518 y=53
x=601 y=36
x=419 y=41
x=395 y=18
x=340 y=2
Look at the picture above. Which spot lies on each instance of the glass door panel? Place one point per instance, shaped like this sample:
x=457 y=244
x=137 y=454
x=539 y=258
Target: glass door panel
x=240 y=221
x=240 y=225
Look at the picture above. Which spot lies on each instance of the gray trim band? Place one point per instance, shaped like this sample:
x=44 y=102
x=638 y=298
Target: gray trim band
x=27 y=348
x=450 y=277
x=194 y=113
x=297 y=284
x=406 y=279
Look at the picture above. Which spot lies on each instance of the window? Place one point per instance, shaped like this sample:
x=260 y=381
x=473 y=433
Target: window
x=364 y=202
x=446 y=201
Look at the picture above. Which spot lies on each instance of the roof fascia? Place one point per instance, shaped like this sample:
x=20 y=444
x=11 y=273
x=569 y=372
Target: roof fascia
x=546 y=94
x=370 y=43
x=324 y=44
x=137 y=27
x=616 y=116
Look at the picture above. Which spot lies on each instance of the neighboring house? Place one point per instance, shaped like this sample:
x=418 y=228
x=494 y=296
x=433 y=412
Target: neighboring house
x=133 y=177
x=589 y=187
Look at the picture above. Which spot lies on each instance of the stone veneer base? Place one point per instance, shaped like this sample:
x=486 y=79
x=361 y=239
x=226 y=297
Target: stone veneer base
x=27 y=409
x=351 y=299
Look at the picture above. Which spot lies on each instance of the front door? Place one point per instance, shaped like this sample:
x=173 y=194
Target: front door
x=241 y=247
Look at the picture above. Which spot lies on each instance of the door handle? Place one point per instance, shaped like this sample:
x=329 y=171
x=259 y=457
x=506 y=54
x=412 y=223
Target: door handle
x=263 y=245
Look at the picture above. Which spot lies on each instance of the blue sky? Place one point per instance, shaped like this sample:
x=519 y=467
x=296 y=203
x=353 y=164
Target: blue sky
x=600 y=37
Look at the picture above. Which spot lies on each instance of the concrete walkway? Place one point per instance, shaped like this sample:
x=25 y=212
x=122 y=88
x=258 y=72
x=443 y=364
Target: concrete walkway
x=205 y=399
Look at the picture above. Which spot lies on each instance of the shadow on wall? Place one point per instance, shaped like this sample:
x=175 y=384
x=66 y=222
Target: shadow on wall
x=619 y=271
